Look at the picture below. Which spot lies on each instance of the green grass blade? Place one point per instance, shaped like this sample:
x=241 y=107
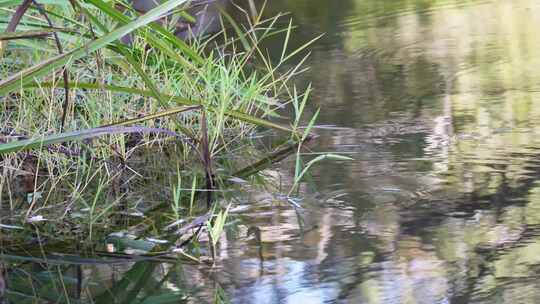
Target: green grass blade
x=151 y=38
x=45 y=67
x=298 y=177
x=286 y=42
x=237 y=30
x=44 y=141
x=310 y=125
x=300 y=49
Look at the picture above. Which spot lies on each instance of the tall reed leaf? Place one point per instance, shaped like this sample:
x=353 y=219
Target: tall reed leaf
x=45 y=67
x=43 y=141
x=298 y=177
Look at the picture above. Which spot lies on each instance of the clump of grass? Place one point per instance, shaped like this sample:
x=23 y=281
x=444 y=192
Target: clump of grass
x=105 y=146
x=82 y=145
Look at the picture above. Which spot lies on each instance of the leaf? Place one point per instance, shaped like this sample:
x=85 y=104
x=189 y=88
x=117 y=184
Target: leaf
x=217 y=228
x=45 y=67
x=237 y=29
x=317 y=159
x=29 y=144
x=151 y=38
x=310 y=125
x=123 y=242
x=29 y=34
x=286 y=42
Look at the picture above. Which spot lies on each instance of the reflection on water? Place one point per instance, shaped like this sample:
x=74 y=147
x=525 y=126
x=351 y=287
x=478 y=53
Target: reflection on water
x=439 y=104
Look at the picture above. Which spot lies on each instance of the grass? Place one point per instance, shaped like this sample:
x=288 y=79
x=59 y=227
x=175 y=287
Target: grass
x=97 y=137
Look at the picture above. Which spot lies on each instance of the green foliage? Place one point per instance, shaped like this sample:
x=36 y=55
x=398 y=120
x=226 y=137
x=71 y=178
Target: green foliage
x=207 y=94
x=215 y=229
x=47 y=66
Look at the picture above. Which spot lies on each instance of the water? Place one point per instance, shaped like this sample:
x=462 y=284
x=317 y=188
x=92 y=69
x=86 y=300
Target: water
x=438 y=102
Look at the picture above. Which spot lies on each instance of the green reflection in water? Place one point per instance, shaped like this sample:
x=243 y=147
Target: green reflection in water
x=439 y=102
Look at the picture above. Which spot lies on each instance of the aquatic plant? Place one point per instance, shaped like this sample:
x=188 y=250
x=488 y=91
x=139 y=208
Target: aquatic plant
x=86 y=122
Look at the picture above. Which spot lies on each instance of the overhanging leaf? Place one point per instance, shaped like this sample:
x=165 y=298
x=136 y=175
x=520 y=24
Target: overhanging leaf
x=43 y=141
x=45 y=67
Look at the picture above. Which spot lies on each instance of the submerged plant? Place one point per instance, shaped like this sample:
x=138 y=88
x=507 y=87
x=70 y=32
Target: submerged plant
x=300 y=170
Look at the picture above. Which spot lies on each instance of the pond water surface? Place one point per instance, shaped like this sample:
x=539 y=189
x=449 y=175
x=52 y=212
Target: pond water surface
x=438 y=102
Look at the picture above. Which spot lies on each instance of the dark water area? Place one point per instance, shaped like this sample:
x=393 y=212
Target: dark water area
x=438 y=103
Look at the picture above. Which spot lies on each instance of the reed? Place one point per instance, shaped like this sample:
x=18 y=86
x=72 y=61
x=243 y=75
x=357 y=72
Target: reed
x=77 y=105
